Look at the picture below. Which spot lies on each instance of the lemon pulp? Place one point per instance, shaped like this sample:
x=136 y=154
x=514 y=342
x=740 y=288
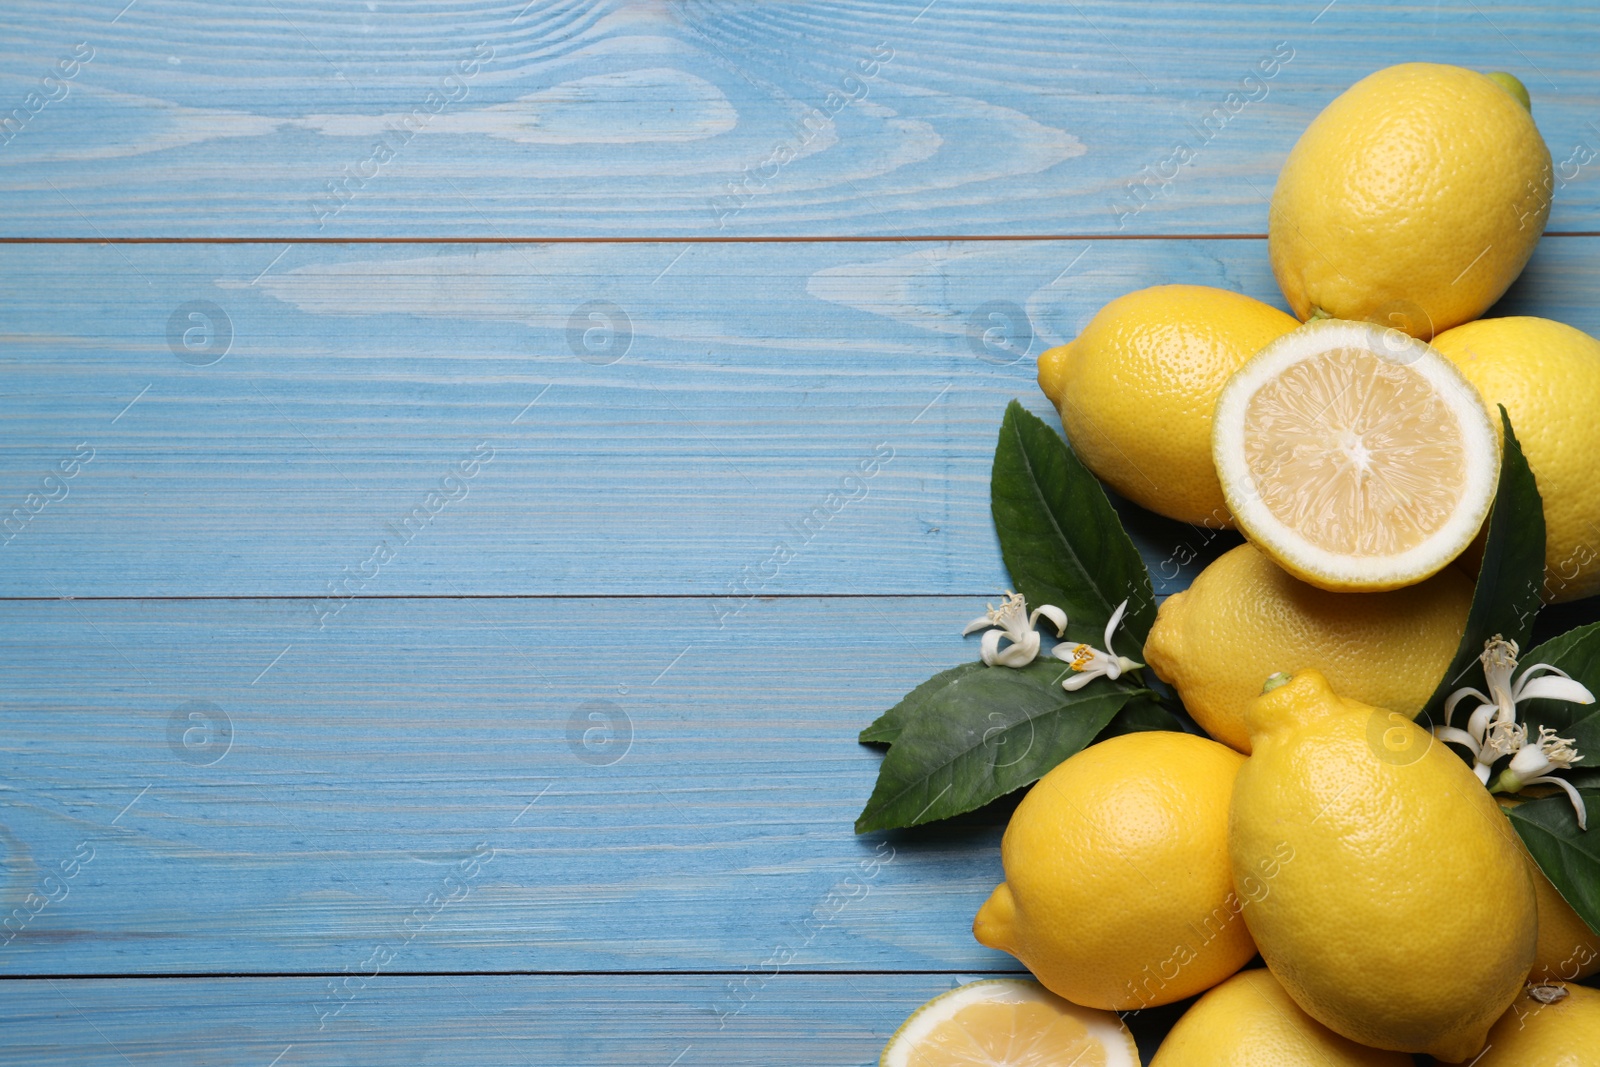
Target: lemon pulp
x=1009 y=1022
x=1355 y=452
x=1355 y=457
x=988 y=1034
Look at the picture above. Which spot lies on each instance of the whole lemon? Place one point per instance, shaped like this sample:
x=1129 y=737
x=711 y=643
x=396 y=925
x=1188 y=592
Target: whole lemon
x=1136 y=389
x=1403 y=916
x=1412 y=201
x=1249 y=1021
x=1547 y=375
x=1118 y=893
x=1554 y=1025
x=1245 y=619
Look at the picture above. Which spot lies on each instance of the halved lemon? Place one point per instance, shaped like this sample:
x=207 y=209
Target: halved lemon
x=1009 y=1022
x=1355 y=456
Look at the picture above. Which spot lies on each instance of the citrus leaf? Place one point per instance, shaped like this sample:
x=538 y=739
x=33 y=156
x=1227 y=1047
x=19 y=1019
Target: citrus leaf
x=1061 y=541
x=886 y=727
x=1578 y=653
x=1506 y=598
x=1142 y=713
x=1568 y=856
x=980 y=734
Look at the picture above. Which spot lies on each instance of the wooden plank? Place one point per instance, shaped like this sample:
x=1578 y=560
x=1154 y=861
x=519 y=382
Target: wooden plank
x=460 y=119
x=515 y=784
x=758 y=380
x=556 y=1021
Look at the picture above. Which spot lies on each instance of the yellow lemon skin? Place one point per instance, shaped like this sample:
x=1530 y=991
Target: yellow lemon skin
x=1547 y=375
x=1563 y=1033
x=1244 y=619
x=1249 y=1021
x=1118 y=893
x=1412 y=201
x=1136 y=389
x=1399 y=912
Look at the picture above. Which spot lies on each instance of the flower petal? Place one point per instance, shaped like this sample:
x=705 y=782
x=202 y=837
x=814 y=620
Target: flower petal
x=1457 y=737
x=1116 y=617
x=1020 y=653
x=980 y=623
x=1078 y=681
x=1578 y=807
x=991 y=646
x=1457 y=697
x=1057 y=617
x=1550 y=687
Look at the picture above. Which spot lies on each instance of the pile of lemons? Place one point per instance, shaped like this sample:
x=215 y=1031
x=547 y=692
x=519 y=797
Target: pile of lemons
x=1353 y=445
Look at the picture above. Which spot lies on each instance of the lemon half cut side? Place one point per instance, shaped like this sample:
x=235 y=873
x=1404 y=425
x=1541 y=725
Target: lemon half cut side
x=1355 y=456
x=1009 y=1022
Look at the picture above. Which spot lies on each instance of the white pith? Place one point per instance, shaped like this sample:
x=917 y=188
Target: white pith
x=1103 y=1026
x=1478 y=437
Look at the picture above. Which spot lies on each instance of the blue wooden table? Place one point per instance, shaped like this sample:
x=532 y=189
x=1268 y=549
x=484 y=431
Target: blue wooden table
x=404 y=405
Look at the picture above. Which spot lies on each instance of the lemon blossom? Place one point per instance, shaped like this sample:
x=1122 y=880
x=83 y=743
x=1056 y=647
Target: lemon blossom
x=1533 y=759
x=1090 y=662
x=1493 y=731
x=1011 y=622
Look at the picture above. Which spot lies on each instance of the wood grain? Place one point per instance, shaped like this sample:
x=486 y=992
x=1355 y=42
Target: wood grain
x=656 y=792
x=757 y=382
x=548 y=1021
x=718 y=117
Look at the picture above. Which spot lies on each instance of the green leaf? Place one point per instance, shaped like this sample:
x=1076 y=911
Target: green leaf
x=1510 y=579
x=886 y=727
x=1568 y=856
x=1059 y=537
x=1142 y=713
x=1578 y=653
x=969 y=736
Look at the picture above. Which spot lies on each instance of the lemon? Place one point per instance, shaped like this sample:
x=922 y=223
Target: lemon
x=1549 y=1026
x=1118 y=893
x=1249 y=1021
x=1358 y=458
x=1384 y=886
x=1245 y=619
x=1413 y=200
x=1548 y=376
x=1135 y=391
x=1008 y=1022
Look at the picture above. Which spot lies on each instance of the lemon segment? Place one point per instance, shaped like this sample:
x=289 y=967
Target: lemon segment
x=1356 y=457
x=1009 y=1022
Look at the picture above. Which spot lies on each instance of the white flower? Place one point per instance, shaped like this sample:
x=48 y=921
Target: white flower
x=1012 y=622
x=1091 y=663
x=1493 y=731
x=1533 y=759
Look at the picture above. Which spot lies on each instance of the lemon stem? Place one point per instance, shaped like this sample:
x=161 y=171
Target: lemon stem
x=1511 y=85
x=1275 y=680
